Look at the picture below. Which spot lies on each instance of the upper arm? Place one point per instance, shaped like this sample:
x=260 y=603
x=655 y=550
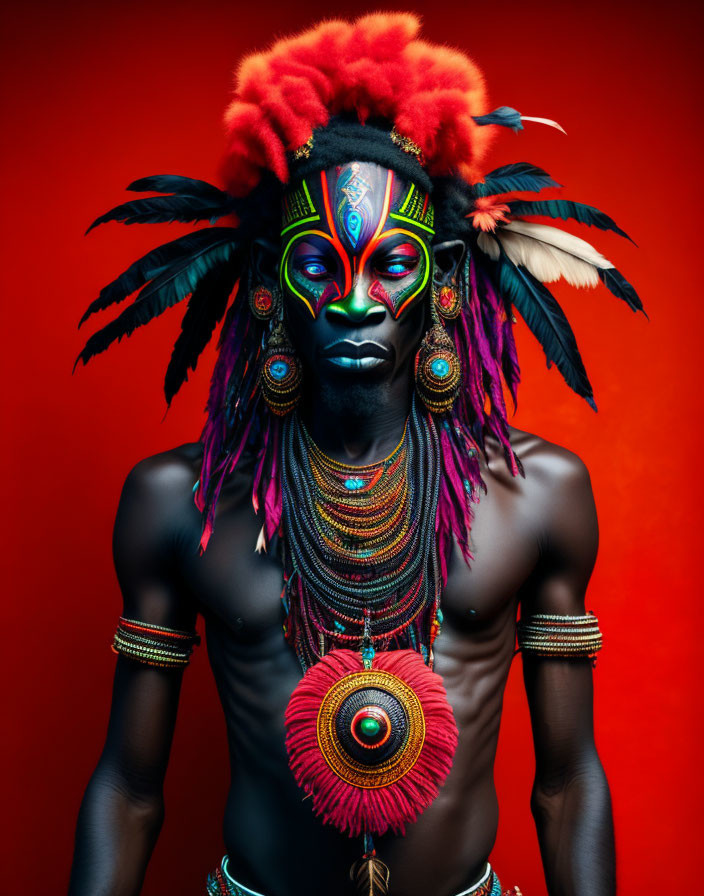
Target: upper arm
x=145 y=698
x=568 y=538
x=146 y=544
x=560 y=690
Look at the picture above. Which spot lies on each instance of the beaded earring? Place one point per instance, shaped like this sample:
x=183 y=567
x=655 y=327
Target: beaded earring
x=264 y=302
x=447 y=301
x=437 y=369
x=281 y=374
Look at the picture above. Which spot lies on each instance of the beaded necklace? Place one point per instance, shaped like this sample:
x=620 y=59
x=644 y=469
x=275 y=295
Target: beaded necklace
x=361 y=565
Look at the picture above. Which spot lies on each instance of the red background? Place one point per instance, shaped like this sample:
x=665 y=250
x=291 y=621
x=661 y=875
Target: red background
x=95 y=95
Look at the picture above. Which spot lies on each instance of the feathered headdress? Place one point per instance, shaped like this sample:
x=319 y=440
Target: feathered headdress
x=368 y=90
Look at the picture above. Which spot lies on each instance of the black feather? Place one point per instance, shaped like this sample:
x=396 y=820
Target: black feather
x=547 y=321
x=518 y=176
x=155 y=263
x=170 y=287
x=179 y=185
x=204 y=311
x=564 y=209
x=165 y=209
x=616 y=283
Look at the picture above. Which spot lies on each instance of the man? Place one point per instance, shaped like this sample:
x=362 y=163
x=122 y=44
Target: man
x=356 y=431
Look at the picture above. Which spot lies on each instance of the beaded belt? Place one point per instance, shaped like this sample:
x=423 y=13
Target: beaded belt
x=221 y=883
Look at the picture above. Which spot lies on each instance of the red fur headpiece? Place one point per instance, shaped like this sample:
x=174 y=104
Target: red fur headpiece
x=373 y=66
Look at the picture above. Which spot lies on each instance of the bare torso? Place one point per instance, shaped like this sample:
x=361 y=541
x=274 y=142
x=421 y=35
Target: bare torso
x=275 y=844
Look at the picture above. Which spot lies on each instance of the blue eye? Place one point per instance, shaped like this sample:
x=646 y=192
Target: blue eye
x=314 y=269
x=397 y=269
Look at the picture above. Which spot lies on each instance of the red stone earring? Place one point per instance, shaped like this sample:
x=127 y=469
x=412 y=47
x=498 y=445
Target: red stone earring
x=263 y=302
x=447 y=301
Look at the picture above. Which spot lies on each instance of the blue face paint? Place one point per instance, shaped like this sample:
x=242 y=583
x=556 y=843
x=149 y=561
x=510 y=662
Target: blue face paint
x=353 y=225
x=353 y=202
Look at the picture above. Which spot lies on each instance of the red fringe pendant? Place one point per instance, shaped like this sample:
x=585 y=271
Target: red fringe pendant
x=371 y=746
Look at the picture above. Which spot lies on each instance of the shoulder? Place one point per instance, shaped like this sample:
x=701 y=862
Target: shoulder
x=555 y=493
x=166 y=476
x=557 y=499
x=156 y=525
x=552 y=468
x=156 y=509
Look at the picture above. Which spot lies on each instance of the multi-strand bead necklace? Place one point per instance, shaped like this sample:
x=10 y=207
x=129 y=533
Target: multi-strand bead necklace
x=361 y=559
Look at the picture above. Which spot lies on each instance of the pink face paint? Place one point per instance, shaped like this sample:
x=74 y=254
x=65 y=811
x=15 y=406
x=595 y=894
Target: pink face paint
x=379 y=294
x=330 y=294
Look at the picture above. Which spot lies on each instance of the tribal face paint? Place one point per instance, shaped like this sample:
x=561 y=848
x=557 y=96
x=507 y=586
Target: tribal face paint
x=356 y=237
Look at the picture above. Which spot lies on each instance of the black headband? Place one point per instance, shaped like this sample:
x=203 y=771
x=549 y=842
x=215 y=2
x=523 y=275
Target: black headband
x=344 y=140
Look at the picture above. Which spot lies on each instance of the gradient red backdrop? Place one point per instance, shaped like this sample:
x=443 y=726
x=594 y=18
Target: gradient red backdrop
x=95 y=95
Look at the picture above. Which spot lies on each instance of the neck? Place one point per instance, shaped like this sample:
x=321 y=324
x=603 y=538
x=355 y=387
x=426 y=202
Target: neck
x=359 y=424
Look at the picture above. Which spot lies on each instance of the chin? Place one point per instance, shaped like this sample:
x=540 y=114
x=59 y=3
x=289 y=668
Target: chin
x=355 y=394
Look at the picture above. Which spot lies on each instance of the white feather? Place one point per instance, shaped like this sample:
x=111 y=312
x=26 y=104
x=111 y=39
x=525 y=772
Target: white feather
x=261 y=543
x=548 y=121
x=547 y=252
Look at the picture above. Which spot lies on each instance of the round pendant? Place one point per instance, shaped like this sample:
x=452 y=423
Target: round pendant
x=372 y=746
x=363 y=760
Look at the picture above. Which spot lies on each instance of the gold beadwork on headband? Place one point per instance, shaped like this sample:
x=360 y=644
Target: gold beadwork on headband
x=304 y=151
x=406 y=144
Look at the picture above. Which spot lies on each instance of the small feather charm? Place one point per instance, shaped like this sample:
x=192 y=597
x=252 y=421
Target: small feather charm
x=370 y=876
x=506 y=117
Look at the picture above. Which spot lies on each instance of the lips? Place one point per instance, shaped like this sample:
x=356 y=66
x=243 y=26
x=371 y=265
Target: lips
x=356 y=355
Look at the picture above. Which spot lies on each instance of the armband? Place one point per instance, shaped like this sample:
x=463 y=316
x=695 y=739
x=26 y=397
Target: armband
x=154 y=645
x=561 y=636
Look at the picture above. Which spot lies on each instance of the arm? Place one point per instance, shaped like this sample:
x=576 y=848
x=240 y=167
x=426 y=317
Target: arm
x=570 y=800
x=122 y=810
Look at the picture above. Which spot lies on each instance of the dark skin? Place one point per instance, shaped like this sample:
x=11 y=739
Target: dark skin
x=534 y=541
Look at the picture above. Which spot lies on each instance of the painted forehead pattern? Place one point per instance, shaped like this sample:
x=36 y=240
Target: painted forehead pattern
x=358 y=192
x=353 y=210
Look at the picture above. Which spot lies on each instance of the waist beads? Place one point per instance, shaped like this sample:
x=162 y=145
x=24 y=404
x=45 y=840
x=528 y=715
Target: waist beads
x=154 y=645
x=567 y=636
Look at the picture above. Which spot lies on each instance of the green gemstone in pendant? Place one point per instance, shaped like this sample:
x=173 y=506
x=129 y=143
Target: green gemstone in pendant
x=353 y=484
x=369 y=726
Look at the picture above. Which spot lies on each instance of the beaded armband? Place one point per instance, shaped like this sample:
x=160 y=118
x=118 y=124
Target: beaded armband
x=154 y=645
x=567 y=636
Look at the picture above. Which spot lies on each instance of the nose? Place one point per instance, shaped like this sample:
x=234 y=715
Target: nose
x=356 y=307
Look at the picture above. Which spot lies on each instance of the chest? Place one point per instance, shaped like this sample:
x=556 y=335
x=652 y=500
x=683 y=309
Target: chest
x=242 y=588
